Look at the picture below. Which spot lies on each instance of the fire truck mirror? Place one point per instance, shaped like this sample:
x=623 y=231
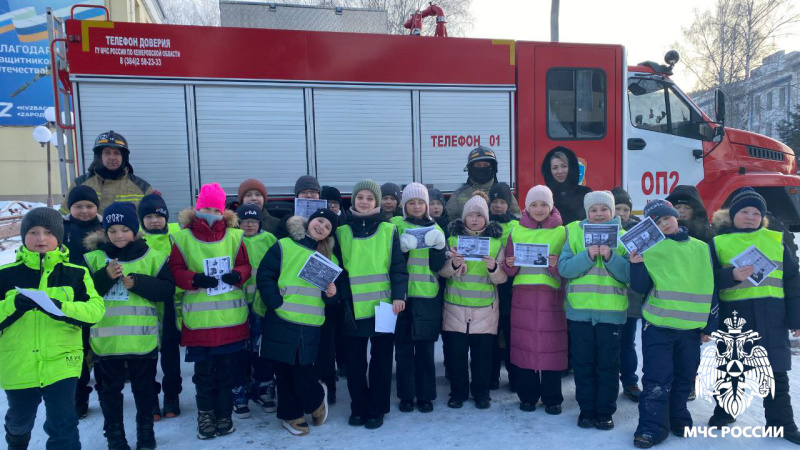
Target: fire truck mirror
x=719 y=106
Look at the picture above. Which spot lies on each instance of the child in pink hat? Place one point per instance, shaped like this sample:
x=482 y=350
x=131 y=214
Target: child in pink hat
x=210 y=262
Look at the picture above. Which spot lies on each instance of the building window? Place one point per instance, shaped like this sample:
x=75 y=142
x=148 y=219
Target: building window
x=782 y=98
x=768 y=130
x=576 y=104
x=769 y=100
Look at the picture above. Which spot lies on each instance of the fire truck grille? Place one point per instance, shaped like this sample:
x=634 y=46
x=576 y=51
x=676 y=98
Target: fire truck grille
x=764 y=153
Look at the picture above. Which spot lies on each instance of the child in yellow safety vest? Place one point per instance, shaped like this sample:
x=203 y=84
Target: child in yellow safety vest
x=680 y=311
x=597 y=303
x=255 y=376
x=471 y=304
x=376 y=271
x=771 y=308
x=154 y=215
x=538 y=343
x=132 y=278
x=295 y=314
x=209 y=261
x=43 y=352
x=419 y=324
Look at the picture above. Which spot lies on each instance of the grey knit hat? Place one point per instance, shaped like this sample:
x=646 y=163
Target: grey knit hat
x=48 y=218
x=599 y=198
x=368 y=185
x=306 y=182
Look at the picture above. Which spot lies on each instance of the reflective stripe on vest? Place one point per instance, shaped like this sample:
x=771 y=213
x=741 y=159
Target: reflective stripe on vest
x=128 y=327
x=163 y=243
x=770 y=243
x=422 y=283
x=683 y=284
x=302 y=301
x=201 y=311
x=555 y=238
x=257 y=247
x=597 y=289
x=367 y=262
x=475 y=288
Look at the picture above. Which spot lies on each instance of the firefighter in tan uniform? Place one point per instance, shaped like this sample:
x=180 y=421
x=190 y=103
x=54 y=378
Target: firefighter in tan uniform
x=111 y=174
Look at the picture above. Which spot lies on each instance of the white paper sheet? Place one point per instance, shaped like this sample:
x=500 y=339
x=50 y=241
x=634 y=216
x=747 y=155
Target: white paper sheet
x=319 y=271
x=531 y=255
x=385 y=318
x=118 y=292
x=305 y=207
x=762 y=266
x=217 y=267
x=420 y=233
x=42 y=300
x=641 y=238
x=473 y=248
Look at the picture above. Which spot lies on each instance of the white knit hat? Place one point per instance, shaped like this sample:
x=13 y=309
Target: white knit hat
x=415 y=190
x=539 y=193
x=477 y=204
x=599 y=198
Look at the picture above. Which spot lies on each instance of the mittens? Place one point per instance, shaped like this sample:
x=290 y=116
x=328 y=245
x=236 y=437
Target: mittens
x=200 y=280
x=233 y=278
x=435 y=239
x=408 y=242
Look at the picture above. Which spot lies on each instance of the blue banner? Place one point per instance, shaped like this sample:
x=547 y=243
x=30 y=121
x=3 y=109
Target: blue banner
x=26 y=88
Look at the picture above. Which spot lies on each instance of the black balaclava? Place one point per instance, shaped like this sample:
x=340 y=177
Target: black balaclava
x=482 y=175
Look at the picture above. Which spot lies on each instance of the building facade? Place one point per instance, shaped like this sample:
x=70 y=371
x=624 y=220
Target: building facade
x=763 y=102
x=23 y=168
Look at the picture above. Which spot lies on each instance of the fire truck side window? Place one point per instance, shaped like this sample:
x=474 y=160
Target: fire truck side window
x=656 y=107
x=576 y=104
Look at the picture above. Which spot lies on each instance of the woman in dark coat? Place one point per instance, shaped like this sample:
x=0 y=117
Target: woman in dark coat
x=293 y=346
x=561 y=174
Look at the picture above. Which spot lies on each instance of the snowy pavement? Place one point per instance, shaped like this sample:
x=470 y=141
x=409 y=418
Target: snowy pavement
x=503 y=426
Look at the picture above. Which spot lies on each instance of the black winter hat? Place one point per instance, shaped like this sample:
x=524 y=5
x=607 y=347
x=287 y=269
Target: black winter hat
x=121 y=213
x=435 y=194
x=249 y=211
x=502 y=191
x=621 y=197
x=153 y=204
x=82 y=193
x=306 y=182
x=325 y=214
x=393 y=190
x=330 y=194
x=660 y=208
x=47 y=218
x=747 y=197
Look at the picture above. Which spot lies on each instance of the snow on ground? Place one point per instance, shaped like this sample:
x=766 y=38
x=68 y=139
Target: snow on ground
x=503 y=426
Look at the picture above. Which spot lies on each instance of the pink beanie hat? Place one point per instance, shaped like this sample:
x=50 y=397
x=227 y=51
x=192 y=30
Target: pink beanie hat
x=211 y=196
x=477 y=204
x=539 y=193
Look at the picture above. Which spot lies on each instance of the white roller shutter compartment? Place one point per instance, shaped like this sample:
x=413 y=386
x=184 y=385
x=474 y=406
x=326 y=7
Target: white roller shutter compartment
x=451 y=122
x=363 y=134
x=153 y=119
x=251 y=132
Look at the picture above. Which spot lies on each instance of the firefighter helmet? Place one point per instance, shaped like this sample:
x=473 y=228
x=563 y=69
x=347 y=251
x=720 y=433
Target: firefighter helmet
x=110 y=139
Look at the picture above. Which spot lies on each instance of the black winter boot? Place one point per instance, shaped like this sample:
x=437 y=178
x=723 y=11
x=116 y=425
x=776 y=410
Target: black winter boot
x=17 y=441
x=115 y=435
x=145 y=436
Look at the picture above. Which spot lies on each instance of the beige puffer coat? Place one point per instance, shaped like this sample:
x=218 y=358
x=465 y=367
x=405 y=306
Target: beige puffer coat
x=463 y=319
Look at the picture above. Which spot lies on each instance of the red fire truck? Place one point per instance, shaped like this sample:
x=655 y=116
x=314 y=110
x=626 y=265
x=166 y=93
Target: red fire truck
x=203 y=104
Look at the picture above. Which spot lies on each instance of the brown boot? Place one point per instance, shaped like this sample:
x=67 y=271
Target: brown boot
x=298 y=427
x=321 y=414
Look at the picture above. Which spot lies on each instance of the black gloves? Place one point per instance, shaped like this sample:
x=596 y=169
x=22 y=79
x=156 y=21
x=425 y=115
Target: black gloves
x=24 y=304
x=233 y=278
x=200 y=280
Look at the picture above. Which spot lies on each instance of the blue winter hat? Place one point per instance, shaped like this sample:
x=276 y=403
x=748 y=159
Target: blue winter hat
x=249 y=211
x=121 y=213
x=747 y=197
x=153 y=204
x=660 y=208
